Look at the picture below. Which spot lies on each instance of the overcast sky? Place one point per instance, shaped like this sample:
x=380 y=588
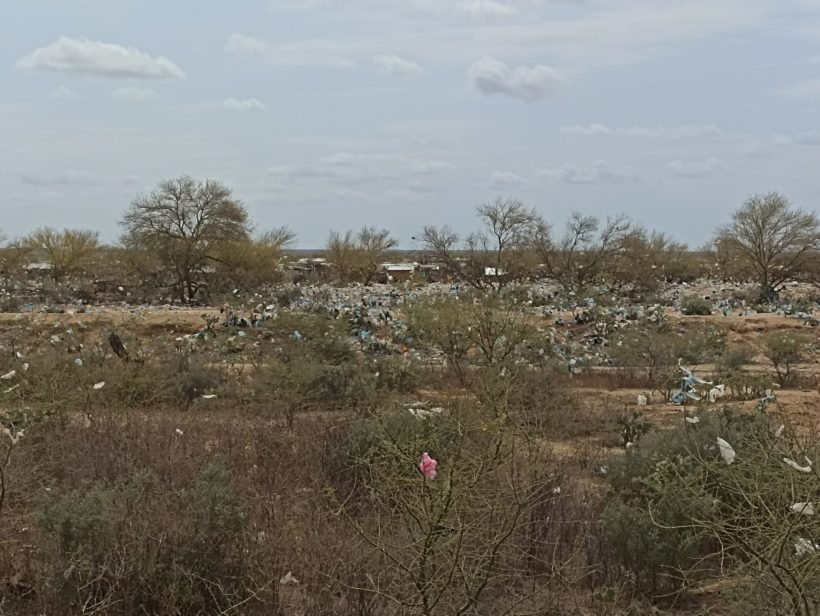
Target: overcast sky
x=328 y=114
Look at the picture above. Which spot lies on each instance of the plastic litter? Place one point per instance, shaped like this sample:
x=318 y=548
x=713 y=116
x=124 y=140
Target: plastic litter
x=428 y=466
x=726 y=451
x=803 y=508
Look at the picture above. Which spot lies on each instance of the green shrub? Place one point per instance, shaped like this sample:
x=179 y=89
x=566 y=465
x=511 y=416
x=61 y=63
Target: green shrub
x=693 y=305
x=137 y=547
x=389 y=446
x=648 y=521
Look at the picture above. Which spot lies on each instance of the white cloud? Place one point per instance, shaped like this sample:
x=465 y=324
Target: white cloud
x=349 y=169
x=807 y=138
x=247 y=104
x=484 y=10
x=96 y=59
x=589 y=130
x=805 y=90
x=355 y=195
x=135 y=94
x=597 y=172
x=505 y=179
x=75 y=178
x=306 y=52
x=695 y=131
x=63 y=93
x=526 y=83
x=756 y=149
x=394 y=65
x=696 y=169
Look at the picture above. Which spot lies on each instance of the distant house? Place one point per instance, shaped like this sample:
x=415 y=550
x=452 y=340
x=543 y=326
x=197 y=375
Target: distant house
x=39 y=269
x=398 y=272
x=491 y=274
x=310 y=268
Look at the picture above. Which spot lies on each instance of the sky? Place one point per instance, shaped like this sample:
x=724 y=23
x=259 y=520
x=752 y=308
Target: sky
x=332 y=114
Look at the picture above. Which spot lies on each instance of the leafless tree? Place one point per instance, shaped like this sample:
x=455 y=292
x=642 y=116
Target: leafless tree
x=778 y=242
x=66 y=252
x=357 y=256
x=499 y=248
x=186 y=222
x=580 y=258
x=374 y=245
x=340 y=250
x=648 y=258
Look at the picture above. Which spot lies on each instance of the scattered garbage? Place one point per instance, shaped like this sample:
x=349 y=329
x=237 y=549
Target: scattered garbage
x=804 y=546
x=726 y=451
x=797 y=467
x=803 y=508
x=428 y=466
x=99 y=385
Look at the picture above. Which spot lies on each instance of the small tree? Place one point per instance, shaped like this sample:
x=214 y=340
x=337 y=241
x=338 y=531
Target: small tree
x=580 y=258
x=784 y=350
x=357 y=256
x=187 y=223
x=500 y=246
x=67 y=252
x=255 y=261
x=648 y=258
x=374 y=245
x=777 y=241
x=341 y=252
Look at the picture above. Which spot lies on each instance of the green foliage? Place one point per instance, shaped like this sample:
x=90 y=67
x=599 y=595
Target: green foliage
x=654 y=351
x=133 y=546
x=633 y=427
x=784 y=349
x=693 y=305
x=648 y=522
x=389 y=446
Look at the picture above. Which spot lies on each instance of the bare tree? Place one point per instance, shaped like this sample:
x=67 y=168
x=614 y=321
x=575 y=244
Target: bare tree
x=778 y=242
x=186 y=223
x=66 y=252
x=357 y=256
x=499 y=248
x=340 y=250
x=650 y=257
x=374 y=245
x=580 y=258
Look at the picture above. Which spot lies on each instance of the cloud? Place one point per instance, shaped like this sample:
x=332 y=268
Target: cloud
x=695 y=131
x=696 y=169
x=589 y=130
x=75 y=178
x=95 y=59
x=484 y=10
x=135 y=94
x=350 y=169
x=807 y=138
x=355 y=195
x=63 y=93
x=525 y=83
x=504 y=179
x=394 y=65
x=805 y=90
x=302 y=53
x=247 y=104
x=597 y=172
x=755 y=149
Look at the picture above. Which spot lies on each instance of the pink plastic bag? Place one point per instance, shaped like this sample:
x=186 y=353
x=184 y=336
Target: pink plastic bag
x=428 y=466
